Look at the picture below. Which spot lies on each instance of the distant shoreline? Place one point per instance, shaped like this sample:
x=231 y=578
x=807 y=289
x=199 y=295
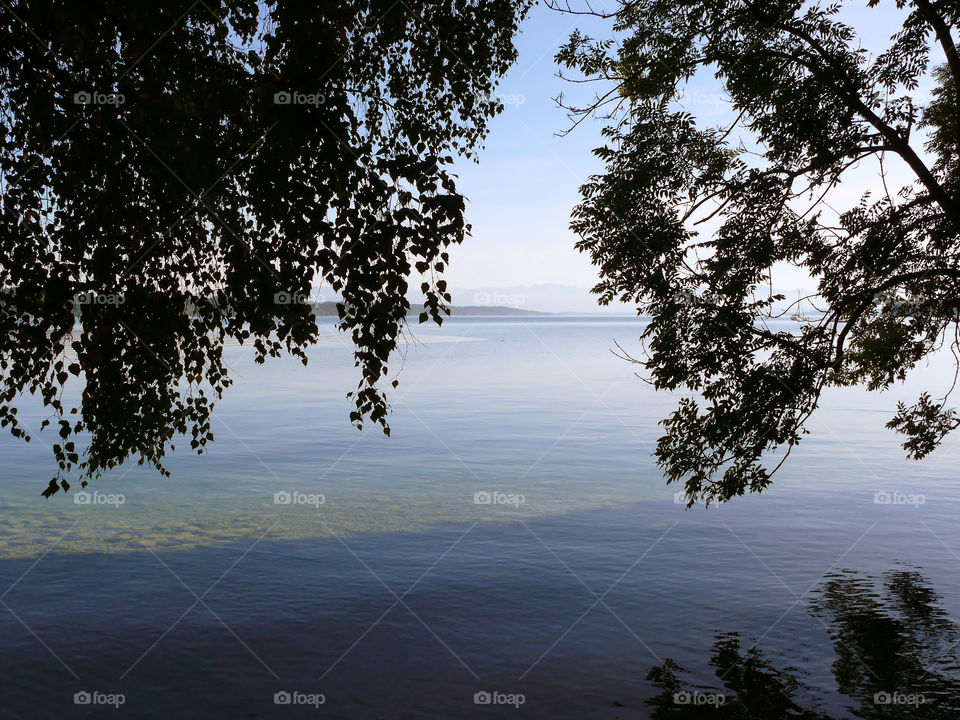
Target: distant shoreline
x=329 y=309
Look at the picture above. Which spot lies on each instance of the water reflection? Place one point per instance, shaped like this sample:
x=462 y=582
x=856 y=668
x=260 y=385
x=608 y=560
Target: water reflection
x=895 y=657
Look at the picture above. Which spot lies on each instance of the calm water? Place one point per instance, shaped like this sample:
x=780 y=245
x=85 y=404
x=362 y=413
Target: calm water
x=385 y=588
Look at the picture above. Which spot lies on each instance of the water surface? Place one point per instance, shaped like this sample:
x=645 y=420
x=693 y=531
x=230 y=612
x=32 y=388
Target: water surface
x=393 y=593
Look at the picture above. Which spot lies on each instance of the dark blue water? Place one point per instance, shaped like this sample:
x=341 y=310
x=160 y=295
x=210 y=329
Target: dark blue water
x=398 y=596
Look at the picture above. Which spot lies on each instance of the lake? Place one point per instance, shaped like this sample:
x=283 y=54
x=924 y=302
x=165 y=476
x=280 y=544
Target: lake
x=510 y=550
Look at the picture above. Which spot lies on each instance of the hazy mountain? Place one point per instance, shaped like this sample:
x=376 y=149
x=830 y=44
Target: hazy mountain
x=330 y=309
x=551 y=298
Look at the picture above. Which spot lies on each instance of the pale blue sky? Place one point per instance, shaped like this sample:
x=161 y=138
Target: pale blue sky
x=521 y=193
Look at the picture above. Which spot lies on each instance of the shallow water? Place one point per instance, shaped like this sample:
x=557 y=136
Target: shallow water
x=392 y=593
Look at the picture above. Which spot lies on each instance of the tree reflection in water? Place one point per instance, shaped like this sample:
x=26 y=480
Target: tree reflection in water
x=896 y=657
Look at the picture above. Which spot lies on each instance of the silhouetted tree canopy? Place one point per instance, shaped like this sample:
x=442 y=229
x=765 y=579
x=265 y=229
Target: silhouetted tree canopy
x=689 y=220
x=184 y=174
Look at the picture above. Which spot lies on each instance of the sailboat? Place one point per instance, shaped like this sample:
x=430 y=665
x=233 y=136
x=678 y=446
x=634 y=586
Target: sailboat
x=798 y=316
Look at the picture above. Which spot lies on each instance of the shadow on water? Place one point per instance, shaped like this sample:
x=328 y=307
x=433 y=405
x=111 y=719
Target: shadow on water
x=895 y=657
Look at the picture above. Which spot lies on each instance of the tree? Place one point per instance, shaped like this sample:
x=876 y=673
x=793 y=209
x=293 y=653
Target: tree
x=688 y=220
x=176 y=177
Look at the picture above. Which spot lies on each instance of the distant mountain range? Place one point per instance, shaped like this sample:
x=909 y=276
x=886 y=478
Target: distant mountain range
x=552 y=298
x=541 y=299
x=328 y=309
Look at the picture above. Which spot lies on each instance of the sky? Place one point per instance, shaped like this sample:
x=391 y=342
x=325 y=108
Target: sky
x=522 y=191
x=527 y=181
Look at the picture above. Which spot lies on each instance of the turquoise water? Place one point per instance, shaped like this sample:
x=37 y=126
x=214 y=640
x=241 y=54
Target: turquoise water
x=581 y=575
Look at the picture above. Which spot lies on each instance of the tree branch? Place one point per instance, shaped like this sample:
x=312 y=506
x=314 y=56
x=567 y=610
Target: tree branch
x=897 y=142
x=942 y=31
x=886 y=285
x=944 y=37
